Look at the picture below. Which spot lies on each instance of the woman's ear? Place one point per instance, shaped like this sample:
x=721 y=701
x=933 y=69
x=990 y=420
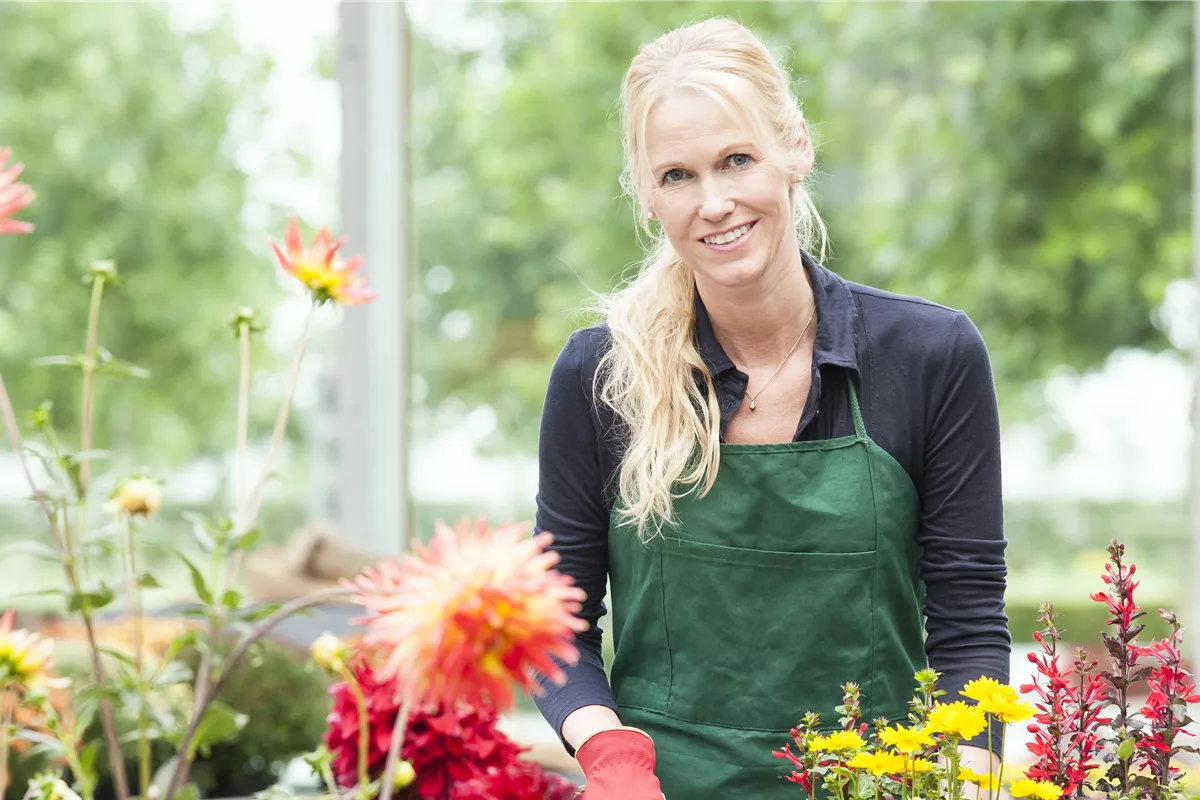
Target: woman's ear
x=804 y=159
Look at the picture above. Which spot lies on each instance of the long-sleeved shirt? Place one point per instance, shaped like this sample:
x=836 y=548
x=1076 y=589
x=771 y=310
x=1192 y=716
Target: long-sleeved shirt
x=928 y=399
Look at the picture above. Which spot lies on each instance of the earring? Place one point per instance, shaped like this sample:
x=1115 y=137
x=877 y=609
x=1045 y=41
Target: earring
x=650 y=215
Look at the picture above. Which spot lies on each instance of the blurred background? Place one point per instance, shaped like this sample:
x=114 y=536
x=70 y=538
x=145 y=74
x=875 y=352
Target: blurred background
x=1030 y=163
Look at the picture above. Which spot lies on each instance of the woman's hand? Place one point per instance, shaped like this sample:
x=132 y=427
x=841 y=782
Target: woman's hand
x=618 y=764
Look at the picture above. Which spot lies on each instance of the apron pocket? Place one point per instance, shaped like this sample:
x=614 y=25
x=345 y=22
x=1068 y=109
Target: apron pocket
x=759 y=637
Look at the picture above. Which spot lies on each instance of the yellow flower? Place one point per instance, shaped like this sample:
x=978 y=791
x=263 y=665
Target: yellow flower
x=987 y=781
x=998 y=699
x=136 y=497
x=405 y=774
x=1017 y=711
x=1038 y=790
x=919 y=765
x=838 y=742
x=25 y=657
x=321 y=270
x=328 y=652
x=878 y=763
x=906 y=740
x=957 y=719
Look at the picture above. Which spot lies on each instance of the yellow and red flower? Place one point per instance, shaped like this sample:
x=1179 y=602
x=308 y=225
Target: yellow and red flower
x=14 y=196
x=477 y=610
x=327 y=277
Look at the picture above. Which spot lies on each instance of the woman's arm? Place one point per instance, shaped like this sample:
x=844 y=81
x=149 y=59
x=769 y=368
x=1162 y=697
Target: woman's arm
x=962 y=521
x=571 y=505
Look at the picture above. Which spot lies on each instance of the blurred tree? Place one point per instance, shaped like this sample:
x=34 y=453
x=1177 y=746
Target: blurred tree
x=1027 y=162
x=122 y=122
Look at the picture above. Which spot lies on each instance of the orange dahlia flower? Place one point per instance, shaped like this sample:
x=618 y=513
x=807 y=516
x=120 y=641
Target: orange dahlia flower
x=319 y=268
x=13 y=196
x=477 y=610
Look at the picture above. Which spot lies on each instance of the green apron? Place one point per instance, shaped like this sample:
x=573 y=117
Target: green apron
x=796 y=573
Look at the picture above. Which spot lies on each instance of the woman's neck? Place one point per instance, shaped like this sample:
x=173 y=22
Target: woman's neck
x=759 y=325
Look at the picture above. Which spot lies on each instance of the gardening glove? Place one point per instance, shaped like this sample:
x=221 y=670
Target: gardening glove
x=619 y=765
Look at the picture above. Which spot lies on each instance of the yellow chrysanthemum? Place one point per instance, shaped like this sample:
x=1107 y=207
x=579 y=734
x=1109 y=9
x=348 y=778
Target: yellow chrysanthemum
x=957 y=719
x=1038 y=790
x=919 y=765
x=987 y=781
x=878 y=763
x=906 y=740
x=998 y=699
x=838 y=742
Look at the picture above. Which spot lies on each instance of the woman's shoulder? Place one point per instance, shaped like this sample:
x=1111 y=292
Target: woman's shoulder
x=912 y=329
x=579 y=358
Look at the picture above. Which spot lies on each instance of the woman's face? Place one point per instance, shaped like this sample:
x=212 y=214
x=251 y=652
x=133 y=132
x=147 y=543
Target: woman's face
x=723 y=205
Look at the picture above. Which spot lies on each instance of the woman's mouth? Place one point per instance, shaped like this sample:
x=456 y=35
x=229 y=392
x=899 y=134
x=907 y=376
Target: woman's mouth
x=730 y=240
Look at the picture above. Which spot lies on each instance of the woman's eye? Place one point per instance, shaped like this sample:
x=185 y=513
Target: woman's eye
x=672 y=175
x=740 y=160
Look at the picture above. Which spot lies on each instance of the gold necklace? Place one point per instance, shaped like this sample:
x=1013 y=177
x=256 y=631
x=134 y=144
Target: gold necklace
x=754 y=397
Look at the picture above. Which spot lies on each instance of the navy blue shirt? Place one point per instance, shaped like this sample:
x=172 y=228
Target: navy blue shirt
x=928 y=399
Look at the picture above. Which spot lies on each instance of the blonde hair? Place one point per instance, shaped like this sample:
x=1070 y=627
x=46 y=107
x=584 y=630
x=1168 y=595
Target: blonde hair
x=648 y=376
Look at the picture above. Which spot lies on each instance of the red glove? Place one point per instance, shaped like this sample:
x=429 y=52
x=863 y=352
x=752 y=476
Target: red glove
x=619 y=765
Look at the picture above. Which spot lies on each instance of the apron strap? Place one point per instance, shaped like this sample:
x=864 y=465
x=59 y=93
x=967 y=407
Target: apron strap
x=860 y=429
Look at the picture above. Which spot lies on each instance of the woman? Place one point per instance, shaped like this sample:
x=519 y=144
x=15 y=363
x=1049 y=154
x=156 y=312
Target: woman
x=789 y=480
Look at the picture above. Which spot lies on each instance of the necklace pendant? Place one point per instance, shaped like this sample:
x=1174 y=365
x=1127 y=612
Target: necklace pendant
x=753 y=405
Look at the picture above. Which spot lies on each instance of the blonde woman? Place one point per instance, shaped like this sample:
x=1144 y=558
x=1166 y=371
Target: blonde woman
x=790 y=481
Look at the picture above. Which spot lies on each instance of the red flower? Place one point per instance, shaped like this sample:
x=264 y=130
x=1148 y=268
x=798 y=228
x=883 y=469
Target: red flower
x=14 y=196
x=456 y=755
x=321 y=270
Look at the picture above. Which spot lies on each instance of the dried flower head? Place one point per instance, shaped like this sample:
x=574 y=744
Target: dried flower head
x=318 y=267
x=475 y=611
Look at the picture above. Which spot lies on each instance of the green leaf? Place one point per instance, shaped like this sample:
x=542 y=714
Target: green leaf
x=232 y=599
x=219 y=724
x=106 y=364
x=182 y=640
x=57 y=361
x=247 y=540
x=1125 y=751
x=260 y=612
x=198 y=582
x=120 y=655
x=91 y=599
x=148 y=581
x=173 y=673
x=30 y=547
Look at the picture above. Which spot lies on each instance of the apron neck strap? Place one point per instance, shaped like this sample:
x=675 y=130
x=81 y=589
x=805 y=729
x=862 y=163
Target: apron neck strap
x=860 y=429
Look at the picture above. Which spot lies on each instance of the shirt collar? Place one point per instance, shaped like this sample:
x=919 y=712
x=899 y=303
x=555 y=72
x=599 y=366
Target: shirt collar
x=837 y=323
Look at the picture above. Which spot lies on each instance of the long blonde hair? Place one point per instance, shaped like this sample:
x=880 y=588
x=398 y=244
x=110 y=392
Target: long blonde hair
x=648 y=375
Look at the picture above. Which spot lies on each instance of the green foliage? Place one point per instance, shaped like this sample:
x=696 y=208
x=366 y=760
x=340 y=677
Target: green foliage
x=1027 y=162
x=124 y=125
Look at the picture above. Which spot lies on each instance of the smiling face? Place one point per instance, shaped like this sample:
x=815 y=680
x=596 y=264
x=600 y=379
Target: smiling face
x=722 y=198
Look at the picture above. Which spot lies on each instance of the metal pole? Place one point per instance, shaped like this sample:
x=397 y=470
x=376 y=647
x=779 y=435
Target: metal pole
x=369 y=386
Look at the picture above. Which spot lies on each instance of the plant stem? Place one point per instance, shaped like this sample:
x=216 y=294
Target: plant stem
x=1000 y=777
x=265 y=626
x=89 y=371
x=393 y=757
x=991 y=790
x=363 y=732
x=62 y=541
x=243 y=426
x=4 y=722
x=281 y=419
x=135 y=596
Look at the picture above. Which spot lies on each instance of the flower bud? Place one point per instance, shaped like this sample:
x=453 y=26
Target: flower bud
x=405 y=774
x=137 y=497
x=328 y=652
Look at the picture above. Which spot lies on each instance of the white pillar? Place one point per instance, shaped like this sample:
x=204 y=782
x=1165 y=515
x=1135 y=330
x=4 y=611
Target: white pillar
x=1192 y=622
x=366 y=389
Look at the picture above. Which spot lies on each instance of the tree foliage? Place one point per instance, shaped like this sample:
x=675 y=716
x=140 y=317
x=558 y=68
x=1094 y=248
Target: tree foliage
x=1027 y=162
x=122 y=123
